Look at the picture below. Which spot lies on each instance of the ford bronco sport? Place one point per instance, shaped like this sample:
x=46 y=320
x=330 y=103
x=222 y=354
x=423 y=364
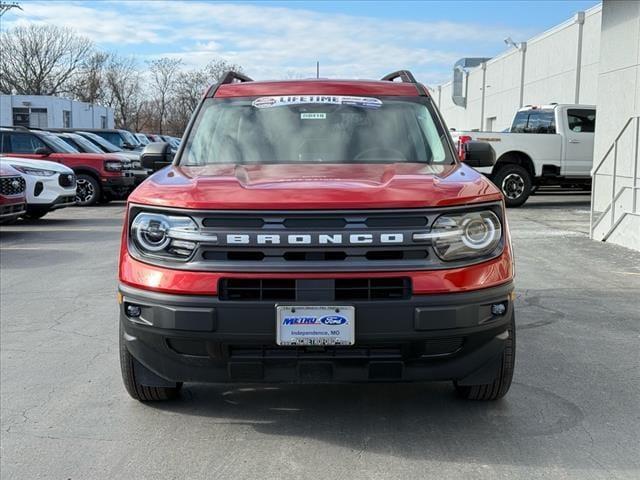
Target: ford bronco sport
x=316 y=231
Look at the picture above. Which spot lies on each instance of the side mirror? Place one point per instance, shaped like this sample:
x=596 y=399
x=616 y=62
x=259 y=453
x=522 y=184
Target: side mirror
x=128 y=146
x=42 y=151
x=156 y=156
x=479 y=154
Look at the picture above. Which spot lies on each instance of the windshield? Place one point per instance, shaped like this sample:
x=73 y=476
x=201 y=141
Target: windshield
x=58 y=145
x=316 y=129
x=84 y=144
x=105 y=145
x=130 y=138
x=142 y=139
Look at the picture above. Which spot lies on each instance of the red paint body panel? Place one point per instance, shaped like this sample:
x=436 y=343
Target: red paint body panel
x=315 y=186
x=318 y=87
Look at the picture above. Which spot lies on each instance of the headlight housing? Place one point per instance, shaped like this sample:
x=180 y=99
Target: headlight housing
x=164 y=236
x=40 y=172
x=466 y=235
x=113 y=165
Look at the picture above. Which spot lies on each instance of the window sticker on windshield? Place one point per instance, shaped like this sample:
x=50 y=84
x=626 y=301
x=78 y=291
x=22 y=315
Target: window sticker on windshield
x=313 y=116
x=362 y=102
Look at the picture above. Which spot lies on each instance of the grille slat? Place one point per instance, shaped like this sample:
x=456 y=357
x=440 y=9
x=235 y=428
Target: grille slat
x=246 y=289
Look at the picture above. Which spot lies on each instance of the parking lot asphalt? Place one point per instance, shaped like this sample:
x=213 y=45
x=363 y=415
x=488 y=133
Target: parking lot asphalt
x=573 y=411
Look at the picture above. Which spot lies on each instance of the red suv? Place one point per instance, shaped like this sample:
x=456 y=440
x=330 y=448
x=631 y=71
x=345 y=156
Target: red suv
x=316 y=231
x=99 y=176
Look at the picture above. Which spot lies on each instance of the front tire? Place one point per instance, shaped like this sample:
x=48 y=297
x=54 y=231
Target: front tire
x=504 y=376
x=137 y=391
x=87 y=190
x=515 y=183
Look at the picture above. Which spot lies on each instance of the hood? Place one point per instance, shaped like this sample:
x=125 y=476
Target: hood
x=7 y=170
x=32 y=163
x=315 y=186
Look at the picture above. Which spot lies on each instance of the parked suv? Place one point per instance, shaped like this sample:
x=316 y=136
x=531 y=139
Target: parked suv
x=49 y=185
x=12 y=198
x=120 y=138
x=316 y=231
x=98 y=176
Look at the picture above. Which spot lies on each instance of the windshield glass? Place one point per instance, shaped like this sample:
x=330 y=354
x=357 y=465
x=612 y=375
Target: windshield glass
x=316 y=129
x=105 y=145
x=84 y=144
x=130 y=138
x=58 y=145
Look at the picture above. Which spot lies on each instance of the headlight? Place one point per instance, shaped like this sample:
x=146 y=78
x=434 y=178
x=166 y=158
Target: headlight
x=34 y=171
x=466 y=235
x=113 y=165
x=162 y=235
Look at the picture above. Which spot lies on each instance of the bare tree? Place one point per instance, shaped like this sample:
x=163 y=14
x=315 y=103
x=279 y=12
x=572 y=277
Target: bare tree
x=163 y=80
x=91 y=82
x=41 y=59
x=124 y=92
x=218 y=67
x=188 y=90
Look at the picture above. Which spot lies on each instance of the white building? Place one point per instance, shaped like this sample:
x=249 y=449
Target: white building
x=559 y=65
x=42 y=111
x=616 y=168
x=592 y=58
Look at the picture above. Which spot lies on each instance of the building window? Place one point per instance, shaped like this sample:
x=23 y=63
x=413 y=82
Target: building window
x=103 y=121
x=38 y=118
x=66 y=119
x=20 y=117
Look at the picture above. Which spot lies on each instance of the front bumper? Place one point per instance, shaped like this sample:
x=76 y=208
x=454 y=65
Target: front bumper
x=427 y=337
x=139 y=176
x=11 y=211
x=118 y=186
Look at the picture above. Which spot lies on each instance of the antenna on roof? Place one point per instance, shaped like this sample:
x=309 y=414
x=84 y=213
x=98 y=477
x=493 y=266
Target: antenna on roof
x=317 y=69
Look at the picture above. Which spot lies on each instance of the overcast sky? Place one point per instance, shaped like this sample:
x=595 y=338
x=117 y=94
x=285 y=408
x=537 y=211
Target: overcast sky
x=284 y=39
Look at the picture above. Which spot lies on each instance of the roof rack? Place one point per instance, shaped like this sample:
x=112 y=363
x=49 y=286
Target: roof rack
x=405 y=76
x=16 y=127
x=234 y=77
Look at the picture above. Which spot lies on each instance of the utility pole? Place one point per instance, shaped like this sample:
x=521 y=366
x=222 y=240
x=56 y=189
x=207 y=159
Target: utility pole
x=6 y=6
x=317 y=69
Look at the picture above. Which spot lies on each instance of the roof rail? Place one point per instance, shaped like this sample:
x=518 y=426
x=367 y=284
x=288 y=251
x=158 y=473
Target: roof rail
x=232 y=77
x=405 y=76
x=16 y=127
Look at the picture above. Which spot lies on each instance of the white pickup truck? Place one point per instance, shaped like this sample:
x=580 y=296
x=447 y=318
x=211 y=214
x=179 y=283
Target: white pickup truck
x=546 y=145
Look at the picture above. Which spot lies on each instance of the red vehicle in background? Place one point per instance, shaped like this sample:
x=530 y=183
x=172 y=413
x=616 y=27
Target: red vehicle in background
x=12 y=194
x=316 y=231
x=100 y=177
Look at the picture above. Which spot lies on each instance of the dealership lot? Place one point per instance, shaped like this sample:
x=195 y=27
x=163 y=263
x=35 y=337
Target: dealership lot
x=572 y=412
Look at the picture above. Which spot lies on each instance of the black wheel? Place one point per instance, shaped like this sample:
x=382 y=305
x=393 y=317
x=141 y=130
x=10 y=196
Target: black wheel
x=35 y=213
x=515 y=183
x=87 y=190
x=140 y=392
x=500 y=386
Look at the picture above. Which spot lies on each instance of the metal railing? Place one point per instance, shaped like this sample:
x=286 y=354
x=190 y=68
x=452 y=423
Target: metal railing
x=615 y=195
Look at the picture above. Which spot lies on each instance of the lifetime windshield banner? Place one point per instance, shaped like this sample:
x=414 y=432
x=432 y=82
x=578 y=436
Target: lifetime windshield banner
x=363 y=102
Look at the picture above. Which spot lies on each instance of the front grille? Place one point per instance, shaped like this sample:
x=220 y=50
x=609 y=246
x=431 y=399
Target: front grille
x=316 y=241
x=341 y=289
x=12 y=185
x=67 y=179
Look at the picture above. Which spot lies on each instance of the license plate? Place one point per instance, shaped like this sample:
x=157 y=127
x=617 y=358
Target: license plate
x=300 y=325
